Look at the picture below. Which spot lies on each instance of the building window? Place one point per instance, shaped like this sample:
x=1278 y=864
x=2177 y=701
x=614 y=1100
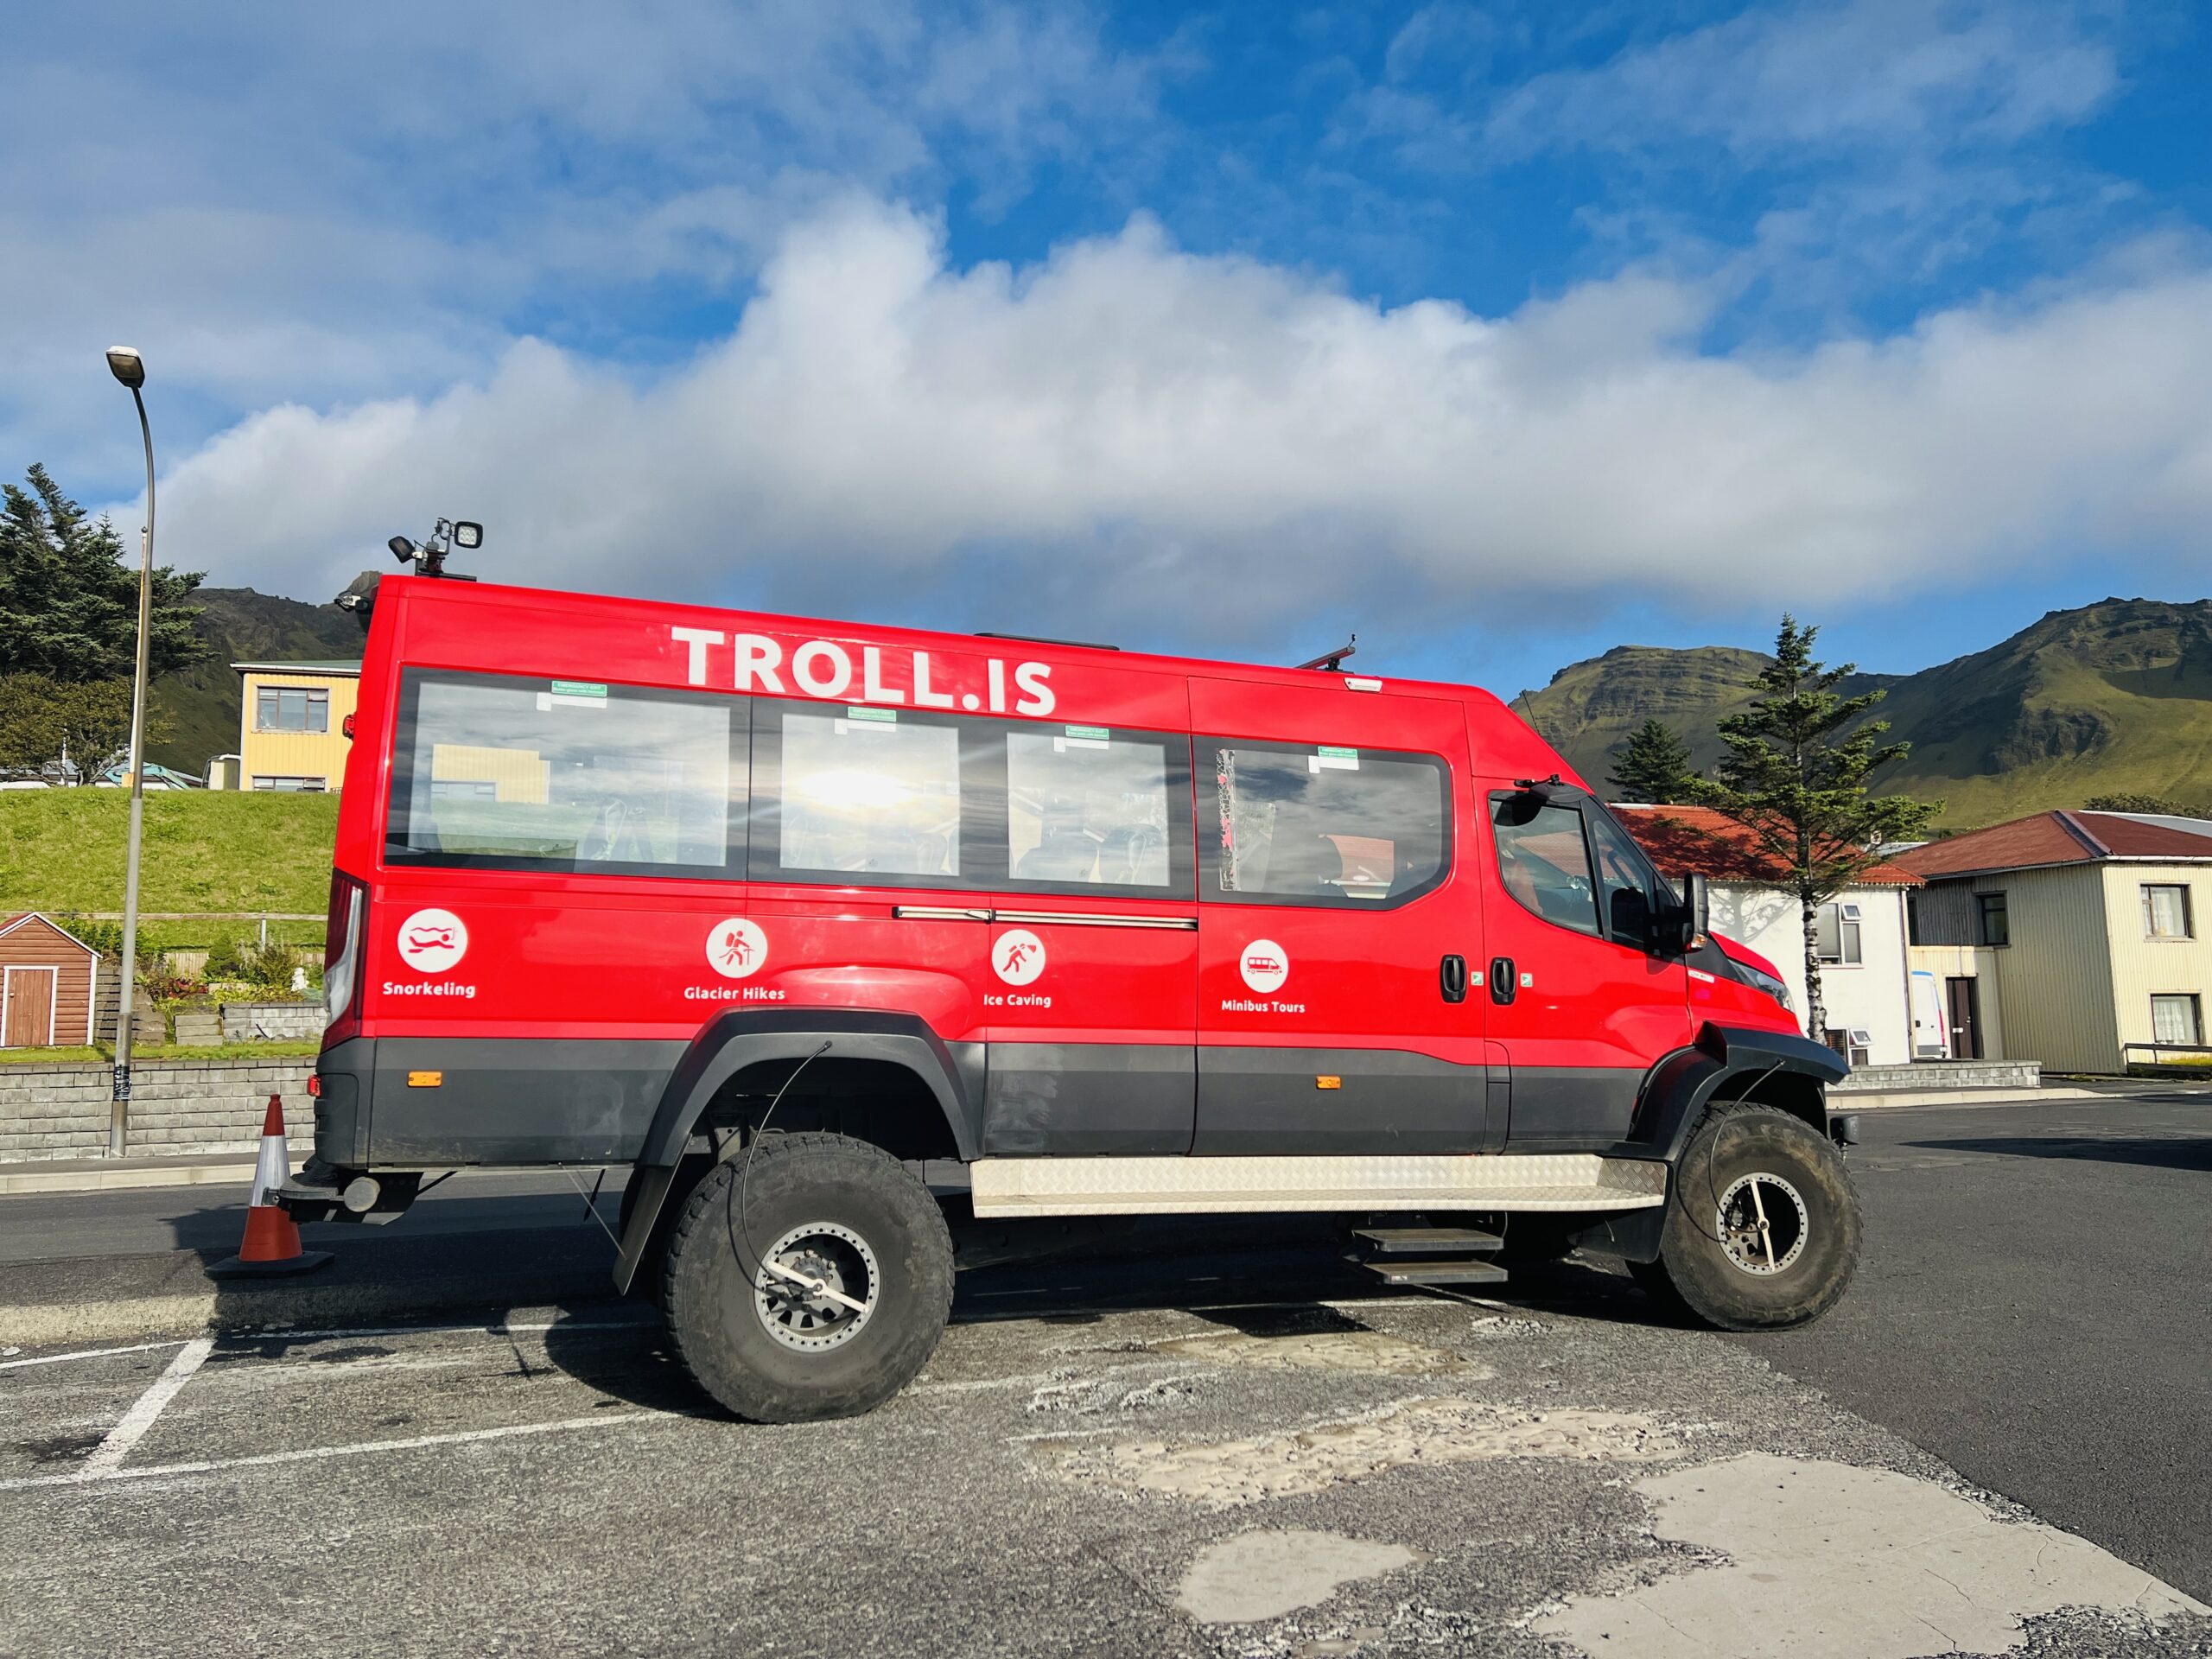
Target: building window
x=1836 y=930
x=2178 y=1022
x=1996 y=926
x=291 y=709
x=291 y=785
x=2166 y=912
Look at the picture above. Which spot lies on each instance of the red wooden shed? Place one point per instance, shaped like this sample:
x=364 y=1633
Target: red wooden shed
x=45 y=984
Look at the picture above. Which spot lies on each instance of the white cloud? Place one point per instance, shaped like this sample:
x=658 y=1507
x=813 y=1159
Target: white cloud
x=1885 y=74
x=1130 y=431
x=343 y=203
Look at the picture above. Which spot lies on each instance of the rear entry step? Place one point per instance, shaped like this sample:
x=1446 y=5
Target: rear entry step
x=1448 y=1256
x=1437 y=1273
x=1399 y=1241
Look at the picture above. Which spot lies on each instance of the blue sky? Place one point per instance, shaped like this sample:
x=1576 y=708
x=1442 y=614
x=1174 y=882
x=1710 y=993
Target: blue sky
x=1500 y=334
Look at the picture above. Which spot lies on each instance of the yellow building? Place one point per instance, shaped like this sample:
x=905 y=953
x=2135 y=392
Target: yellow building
x=291 y=726
x=2084 y=937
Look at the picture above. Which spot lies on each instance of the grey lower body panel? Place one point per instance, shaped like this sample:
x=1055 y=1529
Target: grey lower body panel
x=497 y=1100
x=1572 y=1108
x=1078 y=1100
x=1264 y=1101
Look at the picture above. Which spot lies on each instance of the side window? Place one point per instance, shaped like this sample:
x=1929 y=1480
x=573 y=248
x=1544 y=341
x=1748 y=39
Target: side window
x=1544 y=859
x=1088 y=809
x=506 y=773
x=1996 y=921
x=1630 y=893
x=863 y=792
x=1319 y=824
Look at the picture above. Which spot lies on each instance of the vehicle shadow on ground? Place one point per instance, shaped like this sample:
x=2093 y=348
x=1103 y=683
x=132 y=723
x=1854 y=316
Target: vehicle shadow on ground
x=2159 y=1152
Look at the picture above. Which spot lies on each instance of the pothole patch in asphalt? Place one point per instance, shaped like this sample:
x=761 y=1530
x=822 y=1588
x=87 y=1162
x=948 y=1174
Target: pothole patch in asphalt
x=1257 y=1575
x=1371 y=1351
x=1847 y=1561
x=1222 y=1474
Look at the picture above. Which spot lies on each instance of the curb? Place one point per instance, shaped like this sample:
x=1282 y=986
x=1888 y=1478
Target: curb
x=281 y=1305
x=124 y=1174
x=1846 y=1100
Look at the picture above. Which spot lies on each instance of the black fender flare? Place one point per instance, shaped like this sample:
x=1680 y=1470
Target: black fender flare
x=745 y=1037
x=1684 y=1083
x=1673 y=1101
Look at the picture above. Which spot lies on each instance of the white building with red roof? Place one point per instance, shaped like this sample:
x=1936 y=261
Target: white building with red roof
x=1865 y=977
x=2083 y=933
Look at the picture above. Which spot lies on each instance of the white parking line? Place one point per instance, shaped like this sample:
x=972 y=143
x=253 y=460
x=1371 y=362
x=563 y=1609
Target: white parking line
x=89 y=1477
x=91 y=1353
x=110 y=1452
x=500 y=1330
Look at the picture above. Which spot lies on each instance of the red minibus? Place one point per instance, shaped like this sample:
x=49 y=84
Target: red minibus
x=777 y=912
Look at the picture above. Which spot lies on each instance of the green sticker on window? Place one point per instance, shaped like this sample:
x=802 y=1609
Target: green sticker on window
x=577 y=689
x=1329 y=754
x=856 y=713
x=1088 y=731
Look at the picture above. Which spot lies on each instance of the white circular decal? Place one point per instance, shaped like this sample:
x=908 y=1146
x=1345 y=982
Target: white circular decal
x=1264 y=965
x=1018 y=955
x=736 y=947
x=431 y=941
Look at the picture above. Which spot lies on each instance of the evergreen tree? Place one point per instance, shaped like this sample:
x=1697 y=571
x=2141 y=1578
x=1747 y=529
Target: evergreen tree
x=1798 y=780
x=2131 y=803
x=1654 y=768
x=69 y=599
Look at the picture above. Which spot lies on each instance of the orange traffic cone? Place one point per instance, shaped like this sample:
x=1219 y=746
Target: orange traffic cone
x=272 y=1238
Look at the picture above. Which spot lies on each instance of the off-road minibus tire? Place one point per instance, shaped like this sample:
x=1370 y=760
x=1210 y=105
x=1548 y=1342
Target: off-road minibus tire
x=1742 y=1161
x=844 y=1213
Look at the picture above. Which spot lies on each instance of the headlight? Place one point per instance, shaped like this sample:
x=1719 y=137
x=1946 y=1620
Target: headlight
x=1767 y=982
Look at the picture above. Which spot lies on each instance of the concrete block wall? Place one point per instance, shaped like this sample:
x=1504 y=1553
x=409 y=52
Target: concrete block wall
x=177 y=1106
x=1943 y=1074
x=271 y=1022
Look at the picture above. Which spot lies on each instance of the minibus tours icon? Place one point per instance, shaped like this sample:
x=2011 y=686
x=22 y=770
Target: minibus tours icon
x=431 y=941
x=1264 y=965
x=736 y=947
x=1018 y=956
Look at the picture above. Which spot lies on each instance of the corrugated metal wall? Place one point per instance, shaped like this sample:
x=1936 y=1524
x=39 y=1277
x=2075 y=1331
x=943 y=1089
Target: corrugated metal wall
x=2054 y=982
x=2144 y=967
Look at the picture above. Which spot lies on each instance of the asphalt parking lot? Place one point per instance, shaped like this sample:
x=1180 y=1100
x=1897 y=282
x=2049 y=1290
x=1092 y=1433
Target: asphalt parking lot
x=1241 y=1450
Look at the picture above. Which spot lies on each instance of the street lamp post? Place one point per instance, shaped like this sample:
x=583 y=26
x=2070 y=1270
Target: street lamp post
x=128 y=367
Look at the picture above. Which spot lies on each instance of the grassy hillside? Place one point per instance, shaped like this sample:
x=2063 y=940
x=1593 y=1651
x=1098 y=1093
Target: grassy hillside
x=202 y=703
x=2115 y=696
x=64 y=850
x=2112 y=697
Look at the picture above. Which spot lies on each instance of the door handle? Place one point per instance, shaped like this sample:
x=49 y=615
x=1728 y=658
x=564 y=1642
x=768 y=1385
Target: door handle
x=1504 y=981
x=1452 y=978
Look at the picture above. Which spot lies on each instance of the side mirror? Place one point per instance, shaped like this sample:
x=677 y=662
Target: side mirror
x=1695 y=917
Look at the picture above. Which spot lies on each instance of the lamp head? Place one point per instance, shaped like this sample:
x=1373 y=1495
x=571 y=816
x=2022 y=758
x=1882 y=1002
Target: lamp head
x=401 y=549
x=124 y=363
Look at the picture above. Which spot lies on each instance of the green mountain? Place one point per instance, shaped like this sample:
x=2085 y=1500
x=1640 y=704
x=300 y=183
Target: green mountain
x=2113 y=697
x=201 y=702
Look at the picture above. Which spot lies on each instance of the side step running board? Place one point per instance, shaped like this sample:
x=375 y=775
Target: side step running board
x=1446 y=1256
x=1438 y=1272
x=1398 y=1240
x=1366 y=1182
